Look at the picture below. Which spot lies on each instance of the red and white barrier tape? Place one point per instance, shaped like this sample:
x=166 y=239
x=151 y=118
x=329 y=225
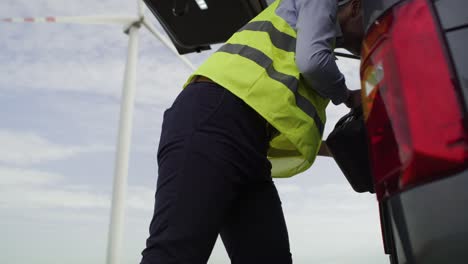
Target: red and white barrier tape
x=99 y=20
x=30 y=20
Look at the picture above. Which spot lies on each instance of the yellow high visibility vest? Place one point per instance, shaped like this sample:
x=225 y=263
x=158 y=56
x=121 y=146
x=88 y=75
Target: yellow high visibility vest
x=257 y=64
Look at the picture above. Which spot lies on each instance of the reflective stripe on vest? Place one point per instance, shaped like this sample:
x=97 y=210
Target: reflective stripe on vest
x=278 y=39
x=289 y=81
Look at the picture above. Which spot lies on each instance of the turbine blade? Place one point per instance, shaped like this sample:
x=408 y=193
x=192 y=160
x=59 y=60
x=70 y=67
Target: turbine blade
x=141 y=8
x=92 y=20
x=167 y=43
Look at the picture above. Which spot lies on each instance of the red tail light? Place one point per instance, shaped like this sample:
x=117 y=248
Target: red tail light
x=413 y=113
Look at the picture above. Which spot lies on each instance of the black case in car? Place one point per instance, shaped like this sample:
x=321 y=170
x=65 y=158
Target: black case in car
x=348 y=144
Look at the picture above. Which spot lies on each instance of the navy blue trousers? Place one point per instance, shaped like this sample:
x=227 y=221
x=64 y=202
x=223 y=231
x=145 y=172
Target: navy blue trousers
x=214 y=178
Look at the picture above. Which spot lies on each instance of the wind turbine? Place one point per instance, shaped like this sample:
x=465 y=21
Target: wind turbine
x=131 y=28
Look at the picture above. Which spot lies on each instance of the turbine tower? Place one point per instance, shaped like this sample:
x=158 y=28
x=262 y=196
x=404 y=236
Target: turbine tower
x=131 y=25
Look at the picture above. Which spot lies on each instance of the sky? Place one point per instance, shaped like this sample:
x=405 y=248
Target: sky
x=60 y=88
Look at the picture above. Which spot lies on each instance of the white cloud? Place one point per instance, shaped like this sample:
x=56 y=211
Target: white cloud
x=22 y=177
x=21 y=188
x=332 y=221
x=141 y=198
x=63 y=198
x=66 y=75
x=83 y=58
x=334 y=200
x=59 y=7
x=286 y=188
x=23 y=148
x=82 y=62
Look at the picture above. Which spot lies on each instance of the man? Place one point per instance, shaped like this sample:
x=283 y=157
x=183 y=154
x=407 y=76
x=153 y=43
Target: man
x=255 y=109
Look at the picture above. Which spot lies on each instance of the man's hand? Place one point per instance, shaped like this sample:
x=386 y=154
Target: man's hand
x=354 y=99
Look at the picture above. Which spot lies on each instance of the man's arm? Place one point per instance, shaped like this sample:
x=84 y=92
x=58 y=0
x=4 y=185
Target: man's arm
x=316 y=32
